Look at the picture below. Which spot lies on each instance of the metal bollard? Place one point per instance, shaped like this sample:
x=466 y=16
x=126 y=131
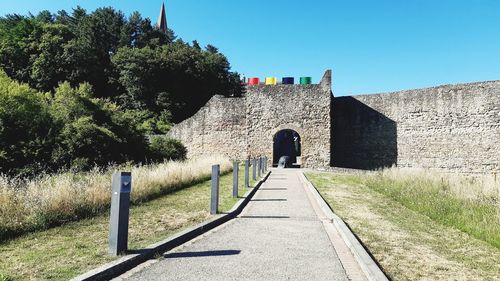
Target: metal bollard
x=259 y=166
x=121 y=185
x=254 y=169
x=214 y=199
x=235 y=178
x=247 y=173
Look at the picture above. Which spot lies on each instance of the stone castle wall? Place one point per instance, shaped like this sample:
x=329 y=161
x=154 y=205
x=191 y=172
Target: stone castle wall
x=217 y=128
x=302 y=108
x=450 y=128
x=244 y=127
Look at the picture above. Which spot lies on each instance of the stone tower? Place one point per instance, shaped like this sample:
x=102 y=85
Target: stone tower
x=162 y=20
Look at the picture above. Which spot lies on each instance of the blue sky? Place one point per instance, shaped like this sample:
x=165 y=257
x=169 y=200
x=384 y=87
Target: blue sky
x=371 y=46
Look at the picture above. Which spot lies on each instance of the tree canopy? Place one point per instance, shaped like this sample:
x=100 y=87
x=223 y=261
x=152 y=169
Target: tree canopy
x=71 y=129
x=81 y=89
x=125 y=59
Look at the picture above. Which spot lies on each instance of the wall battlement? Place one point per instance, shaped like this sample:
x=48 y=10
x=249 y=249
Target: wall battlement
x=449 y=128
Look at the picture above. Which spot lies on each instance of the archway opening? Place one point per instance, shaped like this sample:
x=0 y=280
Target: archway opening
x=287 y=143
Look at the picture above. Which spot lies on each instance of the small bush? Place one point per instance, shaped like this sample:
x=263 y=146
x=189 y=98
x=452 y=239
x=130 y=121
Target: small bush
x=163 y=148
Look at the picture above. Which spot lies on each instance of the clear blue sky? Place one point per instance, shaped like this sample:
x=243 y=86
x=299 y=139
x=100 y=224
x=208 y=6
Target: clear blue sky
x=371 y=45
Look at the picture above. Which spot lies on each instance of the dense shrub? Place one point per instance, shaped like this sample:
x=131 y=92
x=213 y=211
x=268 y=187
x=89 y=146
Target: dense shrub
x=93 y=132
x=27 y=131
x=72 y=129
x=162 y=148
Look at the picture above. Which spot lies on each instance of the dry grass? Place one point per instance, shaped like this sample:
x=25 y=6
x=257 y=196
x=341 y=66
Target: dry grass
x=63 y=252
x=468 y=203
x=53 y=200
x=407 y=244
x=479 y=188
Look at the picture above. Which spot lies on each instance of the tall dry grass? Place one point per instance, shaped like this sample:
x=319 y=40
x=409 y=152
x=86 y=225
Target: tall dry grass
x=470 y=203
x=483 y=188
x=28 y=205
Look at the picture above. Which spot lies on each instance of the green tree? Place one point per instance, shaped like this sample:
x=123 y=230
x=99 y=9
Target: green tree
x=18 y=45
x=92 y=131
x=47 y=68
x=26 y=129
x=127 y=60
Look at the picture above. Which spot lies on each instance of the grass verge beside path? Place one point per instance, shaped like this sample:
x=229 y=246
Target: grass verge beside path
x=52 y=200
x=66 y=251
x=407 y=244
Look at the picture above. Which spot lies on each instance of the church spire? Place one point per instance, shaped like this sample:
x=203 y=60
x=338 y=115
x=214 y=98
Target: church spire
x=162 y=20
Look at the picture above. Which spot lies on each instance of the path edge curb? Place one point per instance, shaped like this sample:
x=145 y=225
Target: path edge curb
x=125 y=263
x=369 y=267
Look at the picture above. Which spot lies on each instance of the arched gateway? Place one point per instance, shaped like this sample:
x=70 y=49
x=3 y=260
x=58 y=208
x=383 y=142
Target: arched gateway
x=267 y=121
x=287 y=143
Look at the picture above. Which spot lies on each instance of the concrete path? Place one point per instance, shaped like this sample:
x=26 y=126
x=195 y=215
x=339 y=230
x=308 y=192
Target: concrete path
x=279 y=236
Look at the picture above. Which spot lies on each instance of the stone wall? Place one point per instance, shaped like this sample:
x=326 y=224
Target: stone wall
x=245 y=127
x=217 y=128
x=449 y=128
x=302 y=108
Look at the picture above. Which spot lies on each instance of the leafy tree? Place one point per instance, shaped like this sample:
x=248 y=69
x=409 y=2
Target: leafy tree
x=26 y=129
x=18 y=41
x=45 y=17
x=149 y=122
x=47 y=69
x=93 y=131
x=139 y=76
x=126 y=59
x=95 y=85
x=174 y=77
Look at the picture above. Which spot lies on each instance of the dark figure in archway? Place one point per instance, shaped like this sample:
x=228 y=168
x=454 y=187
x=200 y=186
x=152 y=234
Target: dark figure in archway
x=286 y=143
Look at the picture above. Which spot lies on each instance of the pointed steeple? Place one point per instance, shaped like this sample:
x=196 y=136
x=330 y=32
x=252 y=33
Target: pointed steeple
x=162 y=20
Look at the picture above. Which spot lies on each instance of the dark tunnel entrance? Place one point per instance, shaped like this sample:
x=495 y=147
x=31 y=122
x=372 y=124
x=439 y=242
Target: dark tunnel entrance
x=286 y=143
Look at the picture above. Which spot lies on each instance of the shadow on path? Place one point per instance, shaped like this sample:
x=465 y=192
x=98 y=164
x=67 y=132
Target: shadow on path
x=269 y=199
x=264 y=217
x=202 y=254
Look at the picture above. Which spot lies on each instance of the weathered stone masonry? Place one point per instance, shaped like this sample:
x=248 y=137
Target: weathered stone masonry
x=245 y=127
x=451 y=128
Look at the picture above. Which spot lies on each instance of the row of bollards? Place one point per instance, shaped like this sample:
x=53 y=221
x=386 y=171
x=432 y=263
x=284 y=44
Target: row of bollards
x=259 y=167
x=121 y=186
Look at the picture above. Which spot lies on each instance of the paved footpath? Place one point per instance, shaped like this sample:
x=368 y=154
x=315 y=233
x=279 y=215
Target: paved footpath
x=278 y=236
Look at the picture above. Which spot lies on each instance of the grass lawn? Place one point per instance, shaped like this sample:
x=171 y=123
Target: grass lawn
x=408 y=244
x=69 y=250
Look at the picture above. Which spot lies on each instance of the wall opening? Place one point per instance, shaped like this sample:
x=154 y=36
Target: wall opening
x=287 y=143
